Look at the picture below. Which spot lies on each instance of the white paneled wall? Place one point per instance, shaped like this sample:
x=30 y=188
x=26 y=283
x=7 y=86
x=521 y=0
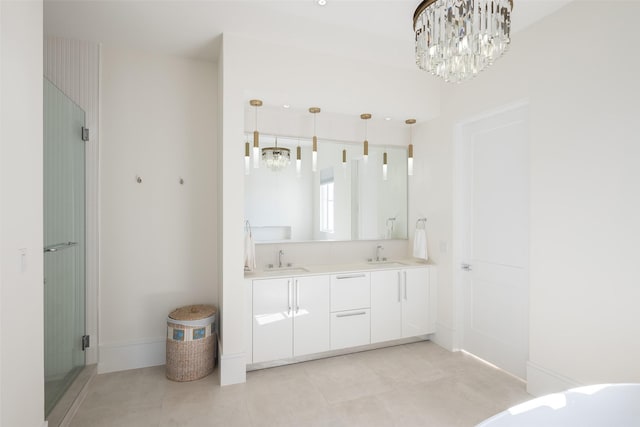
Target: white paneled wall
x=74 y=67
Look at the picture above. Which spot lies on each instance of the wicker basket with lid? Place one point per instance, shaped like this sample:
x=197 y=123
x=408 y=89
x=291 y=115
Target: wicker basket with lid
x=191 y=342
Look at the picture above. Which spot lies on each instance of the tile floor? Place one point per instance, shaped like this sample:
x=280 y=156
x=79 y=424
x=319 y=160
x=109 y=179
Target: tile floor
x=417 y=384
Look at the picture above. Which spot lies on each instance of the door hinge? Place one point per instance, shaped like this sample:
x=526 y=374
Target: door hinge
x=85 y=342
x=85 y=133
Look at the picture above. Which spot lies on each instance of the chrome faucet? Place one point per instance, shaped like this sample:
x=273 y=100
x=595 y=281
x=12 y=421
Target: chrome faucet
x=379 y=249
x=280 y=253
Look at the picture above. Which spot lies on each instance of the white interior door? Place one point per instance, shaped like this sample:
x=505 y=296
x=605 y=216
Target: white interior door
x=494 y=229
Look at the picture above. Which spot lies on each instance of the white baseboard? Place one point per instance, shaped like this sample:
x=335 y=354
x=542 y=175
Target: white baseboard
x=131 y=355
x=45 y=423
x=232 y=368
x=444 y=337
x=541 y=381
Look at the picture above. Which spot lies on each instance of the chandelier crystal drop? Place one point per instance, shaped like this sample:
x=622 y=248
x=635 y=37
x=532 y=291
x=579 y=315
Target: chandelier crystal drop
x=456 y=39
x=276 y=158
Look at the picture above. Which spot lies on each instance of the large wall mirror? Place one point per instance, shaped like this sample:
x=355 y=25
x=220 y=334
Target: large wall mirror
x=340 y=201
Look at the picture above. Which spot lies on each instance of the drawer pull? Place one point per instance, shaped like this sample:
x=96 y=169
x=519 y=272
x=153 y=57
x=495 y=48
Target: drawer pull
x=350 y=276
x=359 y=313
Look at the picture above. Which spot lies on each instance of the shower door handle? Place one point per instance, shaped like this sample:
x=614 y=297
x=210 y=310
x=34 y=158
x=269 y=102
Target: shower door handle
x=59 y=246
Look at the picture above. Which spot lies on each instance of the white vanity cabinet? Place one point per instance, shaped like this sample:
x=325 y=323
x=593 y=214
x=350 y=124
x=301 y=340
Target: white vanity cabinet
x=400 y=304
x=290 y=317
x=350 y=310
x=327 y=312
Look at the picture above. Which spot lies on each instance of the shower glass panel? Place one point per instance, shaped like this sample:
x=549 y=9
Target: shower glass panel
x=64 y=243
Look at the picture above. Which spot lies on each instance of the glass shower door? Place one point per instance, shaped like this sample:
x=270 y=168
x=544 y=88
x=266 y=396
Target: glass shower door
x=64 y=243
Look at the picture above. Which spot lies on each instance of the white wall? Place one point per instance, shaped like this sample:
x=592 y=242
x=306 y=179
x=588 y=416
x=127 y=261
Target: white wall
x=254 y=69
x=575 y=70
x=158 y=238
x=21 y=278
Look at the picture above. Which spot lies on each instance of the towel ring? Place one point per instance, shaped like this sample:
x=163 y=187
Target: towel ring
x=422 y=221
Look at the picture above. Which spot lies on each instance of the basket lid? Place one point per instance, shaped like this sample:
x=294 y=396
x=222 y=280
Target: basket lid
x=193 y=312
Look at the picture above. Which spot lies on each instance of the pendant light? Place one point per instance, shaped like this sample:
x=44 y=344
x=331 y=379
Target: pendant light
x=365 y=151
x=410 y=122
x=276 y=158
x=314 y=151
x=384 y=166
x=247 y=158
x=298 y=160
x=256 y=135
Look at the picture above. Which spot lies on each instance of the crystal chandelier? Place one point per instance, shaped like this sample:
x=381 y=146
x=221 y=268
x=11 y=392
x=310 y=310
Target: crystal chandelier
x=456 y=39
x=276 y=158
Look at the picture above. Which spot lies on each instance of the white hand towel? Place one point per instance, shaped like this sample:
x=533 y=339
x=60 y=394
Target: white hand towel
x=420 y=244
x=249 y=252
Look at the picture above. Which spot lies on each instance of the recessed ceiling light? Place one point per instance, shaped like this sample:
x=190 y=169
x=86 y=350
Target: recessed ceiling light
x=286 y=106
x=387 y=118
x=322 y=2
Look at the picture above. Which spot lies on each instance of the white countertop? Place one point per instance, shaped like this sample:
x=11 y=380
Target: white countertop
x=312 y=270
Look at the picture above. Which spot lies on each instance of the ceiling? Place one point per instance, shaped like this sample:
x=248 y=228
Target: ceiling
x=378 y=32
x=374 y=30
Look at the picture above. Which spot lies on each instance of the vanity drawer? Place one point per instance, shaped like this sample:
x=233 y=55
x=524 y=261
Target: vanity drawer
x=350 y=291
x=350 y=328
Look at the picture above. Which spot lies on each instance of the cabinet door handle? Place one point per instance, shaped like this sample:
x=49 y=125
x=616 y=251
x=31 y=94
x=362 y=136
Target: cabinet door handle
x=405 y=285
x=297 y=296
x=350 y=276
x=359 y=313
x=399 y=290
x=289 y=284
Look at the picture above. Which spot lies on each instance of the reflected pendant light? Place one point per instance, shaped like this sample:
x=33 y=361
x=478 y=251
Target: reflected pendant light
x=276 y=158
x=365 y=148
x=298 y=161
x=247 y=158
x=314 y=150
x=410 y=122
x=256 y=135
x=384 y=166
x=455 y=39
x=344 y=159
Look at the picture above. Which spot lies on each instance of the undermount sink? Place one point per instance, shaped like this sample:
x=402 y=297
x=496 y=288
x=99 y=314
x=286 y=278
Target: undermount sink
x=291 y=270
x=387 y=263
